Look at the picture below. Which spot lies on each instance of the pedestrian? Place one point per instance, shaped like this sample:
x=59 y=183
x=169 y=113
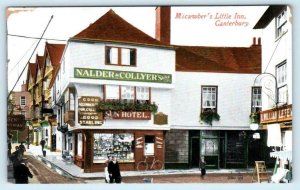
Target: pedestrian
x=22 y=148
x=114 y=171
x=202 y=168
x=106 y=174
x=16 y=156
x=42 y=143
x=21 y=173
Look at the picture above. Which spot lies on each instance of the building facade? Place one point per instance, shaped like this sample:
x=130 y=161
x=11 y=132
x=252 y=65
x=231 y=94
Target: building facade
x=276 y=79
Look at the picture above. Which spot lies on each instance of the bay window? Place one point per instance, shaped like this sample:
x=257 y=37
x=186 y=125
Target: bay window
x=120 y=56
x=112 y=92
x=128 y=93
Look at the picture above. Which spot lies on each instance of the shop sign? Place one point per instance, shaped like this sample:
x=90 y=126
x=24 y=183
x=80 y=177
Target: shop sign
x=87 y=114
x=16 y=122
x=122 y=75
x=139 y=142
x=128 y=115
x=161 y=119
x=159 y=142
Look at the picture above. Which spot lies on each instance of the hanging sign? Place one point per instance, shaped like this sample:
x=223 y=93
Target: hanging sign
x=16 y=122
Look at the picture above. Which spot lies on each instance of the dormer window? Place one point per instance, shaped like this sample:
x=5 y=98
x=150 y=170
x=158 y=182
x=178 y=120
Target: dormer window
x=120 y=56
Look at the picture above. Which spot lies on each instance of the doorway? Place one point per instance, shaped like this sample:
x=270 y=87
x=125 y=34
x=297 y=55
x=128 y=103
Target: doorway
x=195 y=151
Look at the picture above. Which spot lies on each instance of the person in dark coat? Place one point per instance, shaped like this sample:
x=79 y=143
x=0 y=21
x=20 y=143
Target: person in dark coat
x=21 y=173
x=202 y=168
x=114 y=171
x=42 y=143
x=22 y=148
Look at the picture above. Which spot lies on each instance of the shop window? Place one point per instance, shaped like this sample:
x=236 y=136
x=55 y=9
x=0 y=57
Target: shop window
x=210 y=147
x=120 y=56
x=118 y=145
x=149 y=145
x=209 y=97
x=256 y=99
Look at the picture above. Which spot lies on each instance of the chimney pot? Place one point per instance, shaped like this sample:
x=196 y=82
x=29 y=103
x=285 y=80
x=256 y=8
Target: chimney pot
x=254 y=41
x=259 y=41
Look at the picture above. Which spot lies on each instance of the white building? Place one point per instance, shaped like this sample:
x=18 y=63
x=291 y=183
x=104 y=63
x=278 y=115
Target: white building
x=276 y=114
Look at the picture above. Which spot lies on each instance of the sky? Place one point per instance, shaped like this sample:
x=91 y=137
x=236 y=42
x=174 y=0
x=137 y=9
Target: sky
x=225 y=26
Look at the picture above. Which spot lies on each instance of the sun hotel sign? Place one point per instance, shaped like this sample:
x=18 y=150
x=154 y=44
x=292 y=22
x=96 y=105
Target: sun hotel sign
x=122 y=75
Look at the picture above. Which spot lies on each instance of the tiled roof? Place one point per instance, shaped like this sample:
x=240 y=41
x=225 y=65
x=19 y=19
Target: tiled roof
x=111 y=27
x=32 y=68
x=55 y=52
x=269 y=15
x=41 y=61
x=218 y=59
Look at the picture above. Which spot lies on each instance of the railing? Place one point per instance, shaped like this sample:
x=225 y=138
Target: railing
x=280 y=114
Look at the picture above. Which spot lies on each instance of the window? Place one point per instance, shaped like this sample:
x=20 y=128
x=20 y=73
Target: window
x=149 y=145
x=209 y=97
x=112 y=92
x=142 y=94
x=69 y=100
x=256 y=99
x=22 y=100
x=119 y=145
x=281 y=75
x=127 y=93
x=281 y=21
x=120 y=56
x=79 y=144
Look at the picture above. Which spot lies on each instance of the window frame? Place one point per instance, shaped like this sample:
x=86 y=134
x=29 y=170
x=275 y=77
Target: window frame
x=254 y=107
x=134 y=93
x=211 y=86
x=21 y=100
x=280 y=26
x=281 y=84
x=119 y=58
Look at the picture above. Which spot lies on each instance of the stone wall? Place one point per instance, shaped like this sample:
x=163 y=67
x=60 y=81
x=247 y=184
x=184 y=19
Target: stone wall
x=177 y=146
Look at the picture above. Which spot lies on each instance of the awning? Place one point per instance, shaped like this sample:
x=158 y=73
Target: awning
x=284 y=155
x=274 y=135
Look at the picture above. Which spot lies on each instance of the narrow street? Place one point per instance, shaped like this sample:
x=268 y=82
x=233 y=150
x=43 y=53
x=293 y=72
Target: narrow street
x=44 y=174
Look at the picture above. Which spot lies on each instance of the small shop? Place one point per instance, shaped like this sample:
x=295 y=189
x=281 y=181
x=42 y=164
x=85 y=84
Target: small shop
x=94 y=147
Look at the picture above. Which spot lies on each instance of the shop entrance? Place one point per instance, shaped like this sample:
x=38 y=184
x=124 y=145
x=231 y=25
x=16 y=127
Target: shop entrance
x=195 y=151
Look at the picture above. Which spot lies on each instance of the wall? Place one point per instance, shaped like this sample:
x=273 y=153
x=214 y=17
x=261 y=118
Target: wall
x=234 y=99
x=177 y=147
x=274 y=51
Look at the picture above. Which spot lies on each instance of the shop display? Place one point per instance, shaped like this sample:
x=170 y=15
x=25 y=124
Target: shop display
x=119 y=145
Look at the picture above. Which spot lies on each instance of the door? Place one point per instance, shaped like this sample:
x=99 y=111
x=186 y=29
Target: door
x=195 y=152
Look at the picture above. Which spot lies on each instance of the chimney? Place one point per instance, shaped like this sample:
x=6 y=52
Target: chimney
x=163 y=24
x=259 y=41
x=254 y=41
x=23 y=87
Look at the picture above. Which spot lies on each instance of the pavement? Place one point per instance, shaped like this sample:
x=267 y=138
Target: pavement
x=55 y=161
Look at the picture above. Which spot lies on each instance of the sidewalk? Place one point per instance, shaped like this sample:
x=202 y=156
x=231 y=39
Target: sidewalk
x=55 y=161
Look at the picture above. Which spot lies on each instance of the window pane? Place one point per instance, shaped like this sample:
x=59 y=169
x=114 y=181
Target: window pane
x=125 y=56
x=127 y=92
x=112 y=56
x=142 y=93
x=112 y=92
x=132 y=57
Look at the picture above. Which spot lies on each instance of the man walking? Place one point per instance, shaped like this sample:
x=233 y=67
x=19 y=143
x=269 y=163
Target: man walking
x=114 y=171
x=21 y=173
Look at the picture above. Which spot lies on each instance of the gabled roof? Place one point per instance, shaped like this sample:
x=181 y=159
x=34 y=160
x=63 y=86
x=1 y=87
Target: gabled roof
x=218 y=59
x=31 y=72
x=268 y=16
x=40 y=61
x=111 y=27
x=55 y=52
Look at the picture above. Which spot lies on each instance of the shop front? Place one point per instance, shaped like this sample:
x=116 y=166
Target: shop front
x=93 y=147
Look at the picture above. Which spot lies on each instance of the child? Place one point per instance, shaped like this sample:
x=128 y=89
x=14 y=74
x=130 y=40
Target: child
x=202 y=168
